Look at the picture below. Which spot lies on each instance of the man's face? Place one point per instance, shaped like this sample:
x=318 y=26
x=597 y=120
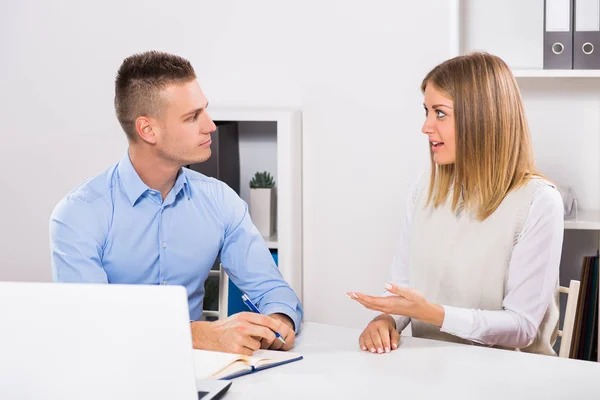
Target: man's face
x=184 y=127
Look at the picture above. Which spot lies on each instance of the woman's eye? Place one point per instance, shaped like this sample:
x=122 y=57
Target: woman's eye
x=440 y=113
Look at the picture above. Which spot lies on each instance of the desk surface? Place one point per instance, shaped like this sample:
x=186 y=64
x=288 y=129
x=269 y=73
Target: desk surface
x=334 y=367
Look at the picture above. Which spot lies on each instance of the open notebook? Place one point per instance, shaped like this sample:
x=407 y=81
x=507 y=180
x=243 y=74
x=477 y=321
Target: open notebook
x=217 y=365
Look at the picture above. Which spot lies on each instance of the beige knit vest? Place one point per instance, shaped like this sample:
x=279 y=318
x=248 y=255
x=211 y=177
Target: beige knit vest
x=459 y=261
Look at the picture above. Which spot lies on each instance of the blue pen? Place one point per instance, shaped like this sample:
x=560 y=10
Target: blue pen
x=253 y=308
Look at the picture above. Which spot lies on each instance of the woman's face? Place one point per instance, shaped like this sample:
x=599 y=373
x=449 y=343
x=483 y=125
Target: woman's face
x=439 y=126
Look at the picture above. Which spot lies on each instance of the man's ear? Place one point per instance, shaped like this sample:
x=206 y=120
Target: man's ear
x=144 y=129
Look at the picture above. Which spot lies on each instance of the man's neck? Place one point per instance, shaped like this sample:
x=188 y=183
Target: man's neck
x=154 y=172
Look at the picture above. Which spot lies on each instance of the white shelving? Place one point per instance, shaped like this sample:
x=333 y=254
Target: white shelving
x=210 y=313
x=288 y=240
x=586 y=220
x=556 y=73
x=285 y=146
x=272 y=242
x=472 y=26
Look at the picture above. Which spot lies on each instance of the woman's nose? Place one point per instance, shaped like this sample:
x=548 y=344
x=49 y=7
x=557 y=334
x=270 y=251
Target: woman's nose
x=427 y=127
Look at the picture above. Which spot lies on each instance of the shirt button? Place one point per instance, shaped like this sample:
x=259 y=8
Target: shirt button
x=164 y=245
x=164 y=282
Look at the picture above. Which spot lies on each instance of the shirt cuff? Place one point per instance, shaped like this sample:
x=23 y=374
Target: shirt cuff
x=286 y=310
x=401 y=322
x=458 y=321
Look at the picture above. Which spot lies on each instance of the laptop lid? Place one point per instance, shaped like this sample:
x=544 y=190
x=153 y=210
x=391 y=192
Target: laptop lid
x=88 y=341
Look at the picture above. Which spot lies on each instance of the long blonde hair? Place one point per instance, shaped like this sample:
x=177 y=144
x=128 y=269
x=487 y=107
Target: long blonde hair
x=494 y=154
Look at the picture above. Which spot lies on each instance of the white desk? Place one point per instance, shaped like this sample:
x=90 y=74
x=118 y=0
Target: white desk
x=334 y=367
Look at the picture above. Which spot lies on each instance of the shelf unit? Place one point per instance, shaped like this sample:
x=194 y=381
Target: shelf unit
x=272 y=242
x=221 y=312
x=556 y=73
x=287 y=239
x=587 y=220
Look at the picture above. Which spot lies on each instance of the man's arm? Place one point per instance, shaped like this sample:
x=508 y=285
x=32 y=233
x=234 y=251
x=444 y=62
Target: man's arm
x=250 y=266
x=76 y=240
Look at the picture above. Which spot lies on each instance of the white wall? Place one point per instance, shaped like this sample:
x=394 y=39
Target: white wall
x=352 y=67
x=511 y=29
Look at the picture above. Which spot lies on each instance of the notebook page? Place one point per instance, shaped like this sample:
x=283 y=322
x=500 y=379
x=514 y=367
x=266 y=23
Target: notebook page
x=215 y=364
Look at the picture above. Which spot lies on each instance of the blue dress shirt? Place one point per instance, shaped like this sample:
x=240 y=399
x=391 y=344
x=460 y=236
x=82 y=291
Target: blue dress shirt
x=115 y=229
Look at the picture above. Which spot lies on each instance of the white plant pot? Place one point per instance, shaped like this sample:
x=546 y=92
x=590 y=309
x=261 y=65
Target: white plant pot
x=262 y=210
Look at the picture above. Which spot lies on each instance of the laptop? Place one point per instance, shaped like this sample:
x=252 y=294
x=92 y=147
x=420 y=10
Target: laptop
x=61 y=341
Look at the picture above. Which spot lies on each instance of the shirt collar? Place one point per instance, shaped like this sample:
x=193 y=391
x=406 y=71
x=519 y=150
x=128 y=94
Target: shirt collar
x=134 y=187
x=182 y=182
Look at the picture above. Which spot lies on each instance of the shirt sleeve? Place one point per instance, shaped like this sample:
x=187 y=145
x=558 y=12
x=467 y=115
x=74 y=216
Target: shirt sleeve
x=400 y=269
x=76 y=240
x=249 y=263
x=531 y=284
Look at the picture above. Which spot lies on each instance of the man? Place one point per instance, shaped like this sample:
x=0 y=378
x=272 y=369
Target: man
x=148 y=220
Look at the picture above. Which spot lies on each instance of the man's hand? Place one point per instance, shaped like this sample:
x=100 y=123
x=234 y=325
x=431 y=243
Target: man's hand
x=380 y=336
x=286 y=330
x=241 y=333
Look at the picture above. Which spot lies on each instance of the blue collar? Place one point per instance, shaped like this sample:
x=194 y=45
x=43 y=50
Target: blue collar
x=134 y=187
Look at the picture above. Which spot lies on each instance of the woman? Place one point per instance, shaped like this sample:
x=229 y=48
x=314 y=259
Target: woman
x=479 y=254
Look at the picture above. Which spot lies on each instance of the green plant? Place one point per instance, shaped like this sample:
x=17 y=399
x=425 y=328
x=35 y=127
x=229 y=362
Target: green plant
x=262 y=180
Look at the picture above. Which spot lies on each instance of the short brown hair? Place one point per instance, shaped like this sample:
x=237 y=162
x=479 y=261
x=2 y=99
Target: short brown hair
x=139 y=81
x=494 y=154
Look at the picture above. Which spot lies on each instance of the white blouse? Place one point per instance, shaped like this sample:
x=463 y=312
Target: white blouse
x=532 y=278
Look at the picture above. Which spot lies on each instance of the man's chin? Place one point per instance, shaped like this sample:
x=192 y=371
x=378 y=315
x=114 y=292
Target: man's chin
x=200 y=159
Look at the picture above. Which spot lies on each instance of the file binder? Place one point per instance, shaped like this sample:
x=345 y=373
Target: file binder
x=558 y=34
x=586 y=35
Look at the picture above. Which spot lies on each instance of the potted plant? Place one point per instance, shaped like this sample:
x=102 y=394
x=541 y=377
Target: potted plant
x=262 y=203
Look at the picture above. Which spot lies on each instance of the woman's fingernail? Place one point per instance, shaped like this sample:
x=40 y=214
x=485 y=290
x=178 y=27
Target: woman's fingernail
x=364 y=348
x=394 y=345
x=350 y=297
x=354 y=295
x=372 y=350
x=388 y=286
x=387 y=349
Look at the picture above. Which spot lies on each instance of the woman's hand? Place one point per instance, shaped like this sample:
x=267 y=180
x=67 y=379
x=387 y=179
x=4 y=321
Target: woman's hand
x=380 y=335
x=407 y=302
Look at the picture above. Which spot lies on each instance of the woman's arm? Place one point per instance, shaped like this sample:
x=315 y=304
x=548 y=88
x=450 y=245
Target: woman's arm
x=531 y=286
